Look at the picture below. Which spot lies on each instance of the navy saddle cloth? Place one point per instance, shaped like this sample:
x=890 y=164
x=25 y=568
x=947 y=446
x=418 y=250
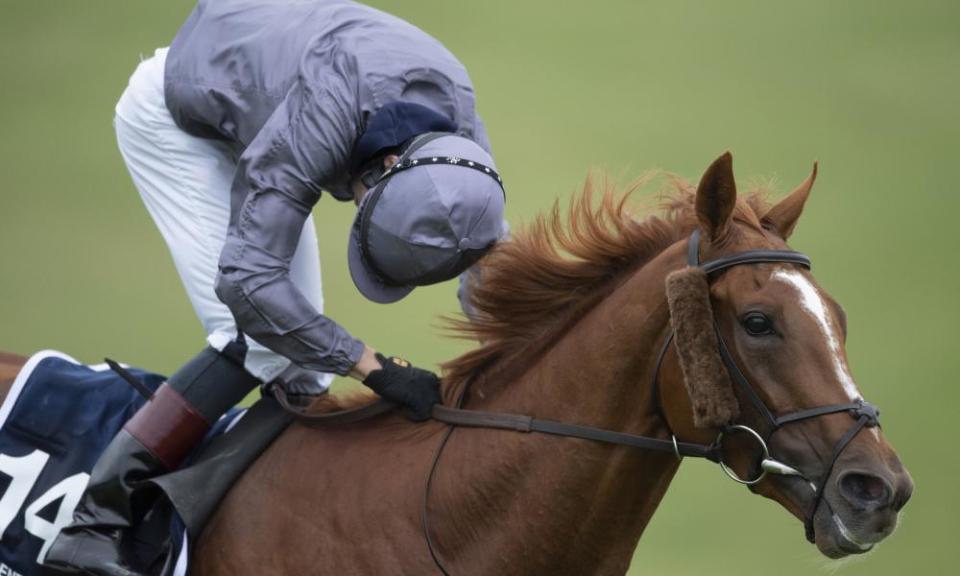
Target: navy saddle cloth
x=56 y=420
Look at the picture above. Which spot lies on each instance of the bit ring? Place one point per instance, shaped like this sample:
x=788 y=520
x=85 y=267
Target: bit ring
x=729 y=471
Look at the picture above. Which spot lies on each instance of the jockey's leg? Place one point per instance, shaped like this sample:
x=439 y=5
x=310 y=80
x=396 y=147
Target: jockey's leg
x=184 y=182
x=156 y=440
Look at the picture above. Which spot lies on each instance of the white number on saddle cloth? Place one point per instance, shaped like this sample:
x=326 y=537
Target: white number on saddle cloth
x=70 y=489
x=24 y=472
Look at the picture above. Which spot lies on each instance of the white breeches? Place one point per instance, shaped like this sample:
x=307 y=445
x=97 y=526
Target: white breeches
x=184 y=182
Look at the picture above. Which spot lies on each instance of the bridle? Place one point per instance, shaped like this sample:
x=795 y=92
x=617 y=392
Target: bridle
x=865 y=414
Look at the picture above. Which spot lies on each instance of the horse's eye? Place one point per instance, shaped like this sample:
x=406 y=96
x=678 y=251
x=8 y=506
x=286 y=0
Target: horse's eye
x=757 y=324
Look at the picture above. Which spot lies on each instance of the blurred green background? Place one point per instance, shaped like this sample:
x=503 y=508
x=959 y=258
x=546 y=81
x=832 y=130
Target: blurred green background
x=870 y=89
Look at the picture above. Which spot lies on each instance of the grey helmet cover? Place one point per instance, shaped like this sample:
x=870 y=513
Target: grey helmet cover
x=427 y=219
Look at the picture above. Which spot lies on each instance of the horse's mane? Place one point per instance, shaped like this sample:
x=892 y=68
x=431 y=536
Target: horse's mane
x=536 y=283
x=548 y=273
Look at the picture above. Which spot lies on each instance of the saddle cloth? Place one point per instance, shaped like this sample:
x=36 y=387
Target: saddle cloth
x=56 y=420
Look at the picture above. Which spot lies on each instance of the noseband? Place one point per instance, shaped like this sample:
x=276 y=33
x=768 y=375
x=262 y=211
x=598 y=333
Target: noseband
x=865 y=414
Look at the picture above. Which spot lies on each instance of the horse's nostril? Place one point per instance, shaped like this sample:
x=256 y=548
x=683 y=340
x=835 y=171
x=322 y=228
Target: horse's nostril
x=903 y=494
x=864 y=489
x=900 y=503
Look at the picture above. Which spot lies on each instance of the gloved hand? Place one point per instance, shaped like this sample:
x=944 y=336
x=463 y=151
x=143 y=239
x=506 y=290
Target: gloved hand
x=400 y=382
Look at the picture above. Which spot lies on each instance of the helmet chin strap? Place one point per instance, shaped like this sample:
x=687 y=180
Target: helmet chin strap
x=373 y=170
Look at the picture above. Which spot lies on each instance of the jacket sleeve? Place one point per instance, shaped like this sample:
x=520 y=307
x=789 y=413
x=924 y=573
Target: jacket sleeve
x=306 y=141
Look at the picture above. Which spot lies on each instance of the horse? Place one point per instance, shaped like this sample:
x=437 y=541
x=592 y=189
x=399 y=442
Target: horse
x=575 y=323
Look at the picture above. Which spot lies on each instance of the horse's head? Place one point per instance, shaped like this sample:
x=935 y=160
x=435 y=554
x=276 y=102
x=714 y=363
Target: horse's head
x=785 y=335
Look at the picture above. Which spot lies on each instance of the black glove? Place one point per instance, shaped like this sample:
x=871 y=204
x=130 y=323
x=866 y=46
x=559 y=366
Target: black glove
x=400 y=382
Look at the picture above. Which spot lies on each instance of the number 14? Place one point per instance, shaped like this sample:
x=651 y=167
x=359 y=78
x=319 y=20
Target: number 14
x=24 y=472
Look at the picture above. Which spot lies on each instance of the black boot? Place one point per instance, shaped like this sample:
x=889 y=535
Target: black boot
x=153 y=442
x=94 y=542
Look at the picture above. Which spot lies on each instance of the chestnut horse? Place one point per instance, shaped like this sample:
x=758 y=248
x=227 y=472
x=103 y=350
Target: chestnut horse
x=572 y=315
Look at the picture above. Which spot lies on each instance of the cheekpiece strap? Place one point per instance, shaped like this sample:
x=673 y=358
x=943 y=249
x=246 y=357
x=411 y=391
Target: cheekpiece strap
x=693 y=249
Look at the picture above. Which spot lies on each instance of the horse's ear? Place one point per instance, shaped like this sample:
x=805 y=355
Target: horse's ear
x=783 y=217
x=704 y=374
x=716 y=197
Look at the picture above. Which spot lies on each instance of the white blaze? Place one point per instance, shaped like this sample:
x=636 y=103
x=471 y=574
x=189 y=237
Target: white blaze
x=813 y=303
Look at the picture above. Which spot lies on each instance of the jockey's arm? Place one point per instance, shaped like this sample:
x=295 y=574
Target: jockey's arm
x=254 y=282
x=306 y=141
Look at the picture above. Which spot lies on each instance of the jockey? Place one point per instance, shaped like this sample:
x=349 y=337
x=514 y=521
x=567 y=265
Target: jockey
x=231 y=135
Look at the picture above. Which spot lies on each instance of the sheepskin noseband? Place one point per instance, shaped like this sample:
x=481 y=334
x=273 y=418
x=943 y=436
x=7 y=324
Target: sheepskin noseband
x=704 y=374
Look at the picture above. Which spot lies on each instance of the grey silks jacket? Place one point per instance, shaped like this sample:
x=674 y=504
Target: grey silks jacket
x=292 y=84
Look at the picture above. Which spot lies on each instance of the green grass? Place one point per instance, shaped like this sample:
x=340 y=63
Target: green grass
x=870 y=89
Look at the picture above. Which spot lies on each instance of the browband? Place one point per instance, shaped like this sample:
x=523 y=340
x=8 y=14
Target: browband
x=747 y=257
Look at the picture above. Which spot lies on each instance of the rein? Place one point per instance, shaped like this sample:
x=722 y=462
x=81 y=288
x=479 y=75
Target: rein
x=866 y=414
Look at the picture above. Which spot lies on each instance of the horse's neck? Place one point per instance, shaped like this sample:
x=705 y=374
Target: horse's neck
x=558 y=505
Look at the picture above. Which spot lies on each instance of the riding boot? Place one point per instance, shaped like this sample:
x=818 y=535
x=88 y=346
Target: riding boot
x=155 y=441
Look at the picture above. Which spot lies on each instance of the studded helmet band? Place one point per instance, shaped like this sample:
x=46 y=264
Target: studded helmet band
x=445 y=160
